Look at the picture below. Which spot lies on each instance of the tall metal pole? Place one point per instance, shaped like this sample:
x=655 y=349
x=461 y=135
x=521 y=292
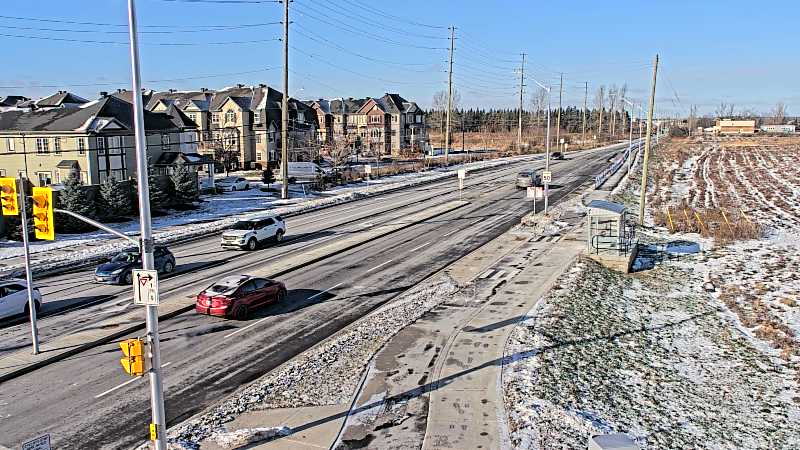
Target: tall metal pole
x=547 y=153
x=558 y=120
x=147 y=247
x=449 y=96
x=647 y=142
x=585 y=100
x=28 y=273
x=285 y=106
x=630 y=139
x=521 y=90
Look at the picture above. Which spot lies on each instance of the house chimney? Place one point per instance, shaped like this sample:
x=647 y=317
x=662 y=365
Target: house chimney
x=119 y=91
x=172 y=91
x=203 y=89
x=240 y=86
x=103 y=94
x=262 y=85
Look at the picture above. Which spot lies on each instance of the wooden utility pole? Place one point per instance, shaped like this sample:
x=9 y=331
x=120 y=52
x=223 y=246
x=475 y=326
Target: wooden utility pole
x=521 y=86
x=585 y=100
x=643 y=194
x=558 y=120
x=449 y=96
x=285 y=106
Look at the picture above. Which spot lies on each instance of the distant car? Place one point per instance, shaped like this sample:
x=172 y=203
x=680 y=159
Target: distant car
x=557 y=155
x=14 y=298
x=119 y=270
x=528 y=178
x=233 y=184
x=248 y=234
x=237 y=296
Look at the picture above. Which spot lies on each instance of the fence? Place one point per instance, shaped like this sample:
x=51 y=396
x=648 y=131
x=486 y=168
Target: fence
x=603 y=176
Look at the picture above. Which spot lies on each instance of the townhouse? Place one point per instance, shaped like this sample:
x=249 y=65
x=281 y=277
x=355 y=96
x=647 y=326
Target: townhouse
x=391 y=125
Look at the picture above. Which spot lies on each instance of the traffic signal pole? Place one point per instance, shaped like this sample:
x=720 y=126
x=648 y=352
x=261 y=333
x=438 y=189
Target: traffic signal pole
x=28 y=272
x=147 y=246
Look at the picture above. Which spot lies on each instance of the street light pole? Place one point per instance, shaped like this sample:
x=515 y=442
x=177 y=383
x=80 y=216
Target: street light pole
x=547 y=144
x=147 y=246
x=28 y=272
x=630 y=134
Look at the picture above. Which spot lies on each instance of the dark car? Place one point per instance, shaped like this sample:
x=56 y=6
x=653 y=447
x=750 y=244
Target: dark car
x=557 y=155
x=237 y=296
x=119 y=270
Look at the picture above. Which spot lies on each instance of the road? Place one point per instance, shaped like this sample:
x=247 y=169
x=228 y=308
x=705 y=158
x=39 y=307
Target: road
x=86 y=401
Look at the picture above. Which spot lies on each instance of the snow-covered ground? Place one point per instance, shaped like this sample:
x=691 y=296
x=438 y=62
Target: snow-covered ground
x=215 y=213
x=655 y=355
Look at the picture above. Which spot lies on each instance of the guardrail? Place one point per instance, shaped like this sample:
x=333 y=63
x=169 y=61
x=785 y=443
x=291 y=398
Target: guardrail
x=603 y=176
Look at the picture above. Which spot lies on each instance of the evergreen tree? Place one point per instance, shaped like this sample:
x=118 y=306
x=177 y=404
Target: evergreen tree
x=76 y=199
x=185 y=184
x=115 y=198
x=158 y=196
x=268 y=177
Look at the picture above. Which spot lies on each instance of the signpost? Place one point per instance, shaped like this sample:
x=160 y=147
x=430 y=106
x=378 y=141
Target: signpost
x=534 y=193
x=462 y=174
x=145 y=287
x=368 y=172
x=39 y=443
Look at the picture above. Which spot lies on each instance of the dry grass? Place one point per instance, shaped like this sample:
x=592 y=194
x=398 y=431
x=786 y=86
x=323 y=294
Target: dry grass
x=754 y=314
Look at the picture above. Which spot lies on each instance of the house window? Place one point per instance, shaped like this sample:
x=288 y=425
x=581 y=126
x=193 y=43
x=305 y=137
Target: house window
x=215 y=119
x=230 y=116
x=258 y=156
x=165 y=142
x=57 y=177
x=257 y=117
x=2 y=172
x=301 y=117
x=193 y=116
x=42 y=145
x=10 y=144
x=101 y=145
x=81 y=146
x=44 y=178
x=419 y=118
x=114 y=145
x=57 y=145
x=258 y=139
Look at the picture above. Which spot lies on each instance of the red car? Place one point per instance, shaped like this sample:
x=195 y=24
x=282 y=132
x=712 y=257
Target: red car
x=237 y=296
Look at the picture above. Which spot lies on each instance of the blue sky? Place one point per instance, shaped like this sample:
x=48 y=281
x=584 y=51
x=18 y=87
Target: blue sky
x=712 y=51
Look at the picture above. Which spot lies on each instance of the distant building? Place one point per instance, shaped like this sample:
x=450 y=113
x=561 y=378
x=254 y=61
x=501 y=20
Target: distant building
x=731 y=126
x=780 y=129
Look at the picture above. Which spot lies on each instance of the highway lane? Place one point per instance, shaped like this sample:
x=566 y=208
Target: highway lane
x=85 y=403
x=88 y=303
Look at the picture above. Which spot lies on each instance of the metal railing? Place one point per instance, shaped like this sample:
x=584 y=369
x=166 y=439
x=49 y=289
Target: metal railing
x=603 y=176
x=608 y=242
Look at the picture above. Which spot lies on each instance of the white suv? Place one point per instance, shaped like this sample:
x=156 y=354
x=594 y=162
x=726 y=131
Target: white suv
x=248 y=234
x=14 y=298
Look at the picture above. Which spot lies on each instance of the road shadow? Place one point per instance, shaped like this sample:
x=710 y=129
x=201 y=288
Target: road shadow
x=55 y=307
x=296 y=300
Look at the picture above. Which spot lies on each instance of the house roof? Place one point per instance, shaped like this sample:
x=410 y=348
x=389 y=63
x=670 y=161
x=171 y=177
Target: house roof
x=127 y=95
x=59 y=98
x=347 y=105
x=191 y=159
x=605 y=205
x=90 y=117
x=68 y=164
x=197 y=99
x=12 y=100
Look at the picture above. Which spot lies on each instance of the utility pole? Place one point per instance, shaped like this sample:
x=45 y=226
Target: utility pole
x=558 y=120
x=585 y=100
x=521 y=86
x=449 y=96
x=158 y=426
x=643 y=194
x=285 y=106
x=23 y=204
x=547 y=153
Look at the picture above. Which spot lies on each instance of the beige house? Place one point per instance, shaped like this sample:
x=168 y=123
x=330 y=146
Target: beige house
x=391 y=125
x=94 y=141
x=731 y=126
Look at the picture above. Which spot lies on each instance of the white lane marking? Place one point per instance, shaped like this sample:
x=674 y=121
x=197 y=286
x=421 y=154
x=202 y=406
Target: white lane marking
x=499 y=274
x=244 y=328
x=454 y=231
x=487 y=273
x=380 y=265
x=126 y=383
x=326 y=290
x=417 y=248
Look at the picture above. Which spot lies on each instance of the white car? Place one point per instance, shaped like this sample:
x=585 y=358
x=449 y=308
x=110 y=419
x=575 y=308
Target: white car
x=233 y=184
x=14 y=298
x=248 y=234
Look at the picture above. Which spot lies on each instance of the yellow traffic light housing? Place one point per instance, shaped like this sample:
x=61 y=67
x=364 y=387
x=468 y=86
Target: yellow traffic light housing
x=133 y=362
x=9 y=200
x=43 y=223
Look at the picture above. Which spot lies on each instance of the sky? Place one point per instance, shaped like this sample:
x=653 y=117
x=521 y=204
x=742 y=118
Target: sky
x=711 y=51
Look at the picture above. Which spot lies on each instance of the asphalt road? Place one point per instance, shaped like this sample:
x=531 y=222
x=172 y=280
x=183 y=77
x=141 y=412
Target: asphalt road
x=87 y=401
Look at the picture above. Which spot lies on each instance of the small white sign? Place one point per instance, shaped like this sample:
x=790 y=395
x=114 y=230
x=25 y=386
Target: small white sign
x=547 y=176
x=367 y=169
x=462 y=174
x=145 y=287
x=535 y=193
x=40 y=443
x=562 y=140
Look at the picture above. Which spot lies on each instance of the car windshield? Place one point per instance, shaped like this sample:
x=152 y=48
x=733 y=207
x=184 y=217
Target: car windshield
x=244 y=225
x=525 y=174
x=126 y=257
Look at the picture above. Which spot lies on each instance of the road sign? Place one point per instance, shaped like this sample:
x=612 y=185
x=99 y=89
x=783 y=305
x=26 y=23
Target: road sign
x=462 y=173
x=535 y=193
x=562 y=140
x=547 y=176
x=145 y=287
x=367 y=169
x=40 y=443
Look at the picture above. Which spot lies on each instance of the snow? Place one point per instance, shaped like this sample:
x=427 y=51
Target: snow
x=214 y=214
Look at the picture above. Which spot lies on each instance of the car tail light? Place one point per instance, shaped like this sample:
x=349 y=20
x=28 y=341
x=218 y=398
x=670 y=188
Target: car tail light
x=220 y=301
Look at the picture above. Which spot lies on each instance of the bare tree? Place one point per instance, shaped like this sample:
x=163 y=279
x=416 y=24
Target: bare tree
x=778 y=113
x=724 y=110
x=538 y=105
x=439 y=105
x=692 y=119
x=612 y=107
x=600 y=104
x=623 y=91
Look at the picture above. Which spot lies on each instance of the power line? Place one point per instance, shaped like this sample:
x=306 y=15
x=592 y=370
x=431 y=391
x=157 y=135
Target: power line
x=63 y=30
x=166 y=44
x=391 y=16
x=124 y=25
x=226 y=2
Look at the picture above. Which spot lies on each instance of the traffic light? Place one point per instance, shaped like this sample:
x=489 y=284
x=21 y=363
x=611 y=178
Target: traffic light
x=43 y=213
x=133 y=362
x=8 y=196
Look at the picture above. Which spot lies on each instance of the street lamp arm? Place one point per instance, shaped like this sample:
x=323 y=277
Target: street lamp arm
x=98 y=225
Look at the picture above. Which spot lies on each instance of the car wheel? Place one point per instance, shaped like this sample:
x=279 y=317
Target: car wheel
x=36 y=305
x=233 y=189
x=169 y=266
x=252 y=244
x=246 y=187
x=128 y=278
x=279 y=236
x=281 y=295
x=242 y=312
